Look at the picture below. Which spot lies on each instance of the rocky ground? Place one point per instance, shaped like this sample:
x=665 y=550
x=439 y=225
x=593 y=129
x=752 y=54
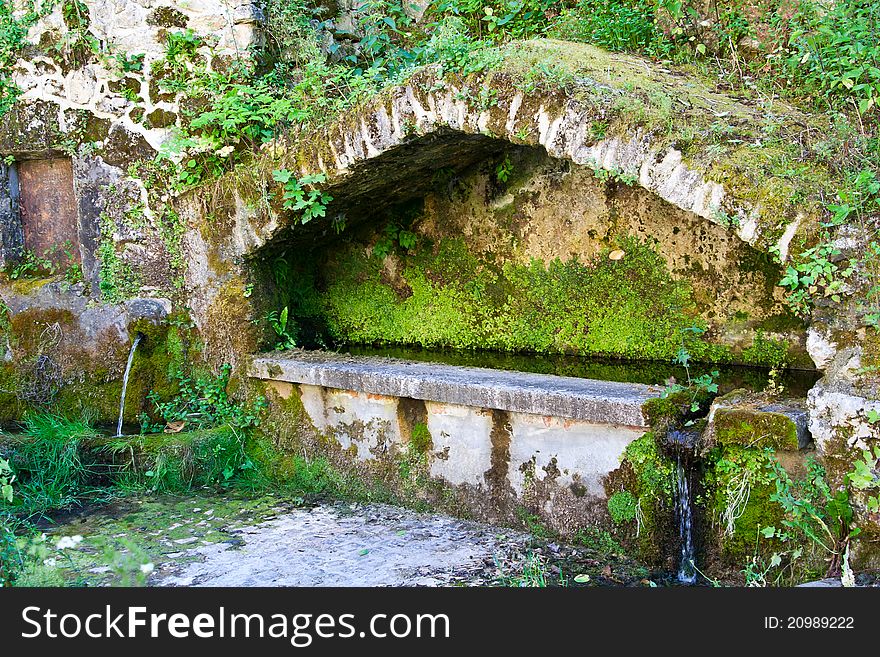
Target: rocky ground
x=275 y=541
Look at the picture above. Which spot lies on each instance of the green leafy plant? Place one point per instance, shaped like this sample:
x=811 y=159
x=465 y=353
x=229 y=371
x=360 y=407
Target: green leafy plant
x=700 y=385
x=616 y=25
x=302 y=194
x=834 y=50
x=823 y=271
x=30 y=265
x=15 y=21
x=817 y=274
x=500 y=19
x=614 y=175
x=394 y=236
x=812 y=512
x=10 y=555
x=11 y=558
x=865 y=476
x=7 y=477
x=202 y=403
x=504 y=169
x=286 y=334
x=622 y=506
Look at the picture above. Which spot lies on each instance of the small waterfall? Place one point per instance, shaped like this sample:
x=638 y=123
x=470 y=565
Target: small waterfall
x=685 y=513
x=134 y=345
x=683 y=444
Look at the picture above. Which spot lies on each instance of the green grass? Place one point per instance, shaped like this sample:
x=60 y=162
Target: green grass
x=61 y=464
x=54 y=469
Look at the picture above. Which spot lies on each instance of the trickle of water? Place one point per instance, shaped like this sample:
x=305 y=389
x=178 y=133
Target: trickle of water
x=134 y=345
x=686 y=572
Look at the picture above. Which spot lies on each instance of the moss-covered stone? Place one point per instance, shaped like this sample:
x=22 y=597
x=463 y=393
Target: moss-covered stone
x=648 y=475
x=753 y=420
x=753 y=428
x=446 y=296
x=669 y=410
x=739 y=501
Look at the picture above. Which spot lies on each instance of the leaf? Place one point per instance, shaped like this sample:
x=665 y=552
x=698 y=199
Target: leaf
x=175 y=427
x=281 y=175
x=583 y=578
x=775 y=560
x=768 y=532
x=617 y=254
x=7 y=492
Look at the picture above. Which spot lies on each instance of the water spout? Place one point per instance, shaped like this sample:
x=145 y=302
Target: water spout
x=134 y=345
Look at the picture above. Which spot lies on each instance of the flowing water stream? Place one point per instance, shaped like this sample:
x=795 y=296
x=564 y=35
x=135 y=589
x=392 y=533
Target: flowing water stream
x=687 y=573
x=683 y=443
x=134 y=345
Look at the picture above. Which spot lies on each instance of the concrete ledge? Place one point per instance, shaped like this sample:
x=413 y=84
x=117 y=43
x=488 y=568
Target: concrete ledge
x=601 y=402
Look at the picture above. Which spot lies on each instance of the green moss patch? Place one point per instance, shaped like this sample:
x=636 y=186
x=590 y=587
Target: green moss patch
x=447 y=297
x=668 y=410
x=756 y=421
x=647 y=497
x=754 y=428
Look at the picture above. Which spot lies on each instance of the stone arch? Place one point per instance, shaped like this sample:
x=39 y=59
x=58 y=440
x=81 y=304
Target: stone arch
x=383 y=152
x=408 y=126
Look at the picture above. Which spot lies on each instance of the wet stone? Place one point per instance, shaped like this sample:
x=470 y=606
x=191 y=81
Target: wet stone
x=264 y=541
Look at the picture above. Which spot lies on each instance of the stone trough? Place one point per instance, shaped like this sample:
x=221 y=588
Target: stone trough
x=501 y=434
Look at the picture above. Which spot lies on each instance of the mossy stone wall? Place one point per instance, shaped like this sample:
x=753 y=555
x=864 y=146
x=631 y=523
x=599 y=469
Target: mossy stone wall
x=554 y=259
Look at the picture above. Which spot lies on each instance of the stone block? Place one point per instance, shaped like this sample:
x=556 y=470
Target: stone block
x=740 y=418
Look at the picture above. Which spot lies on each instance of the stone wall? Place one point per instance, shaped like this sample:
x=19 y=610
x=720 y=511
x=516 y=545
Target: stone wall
x=118 y=86
x=90 y=92
x=93 y=105
x=549 y=210
x=495 y=442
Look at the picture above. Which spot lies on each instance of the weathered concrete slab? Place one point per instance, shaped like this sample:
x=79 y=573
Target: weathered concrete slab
x=601 y=402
